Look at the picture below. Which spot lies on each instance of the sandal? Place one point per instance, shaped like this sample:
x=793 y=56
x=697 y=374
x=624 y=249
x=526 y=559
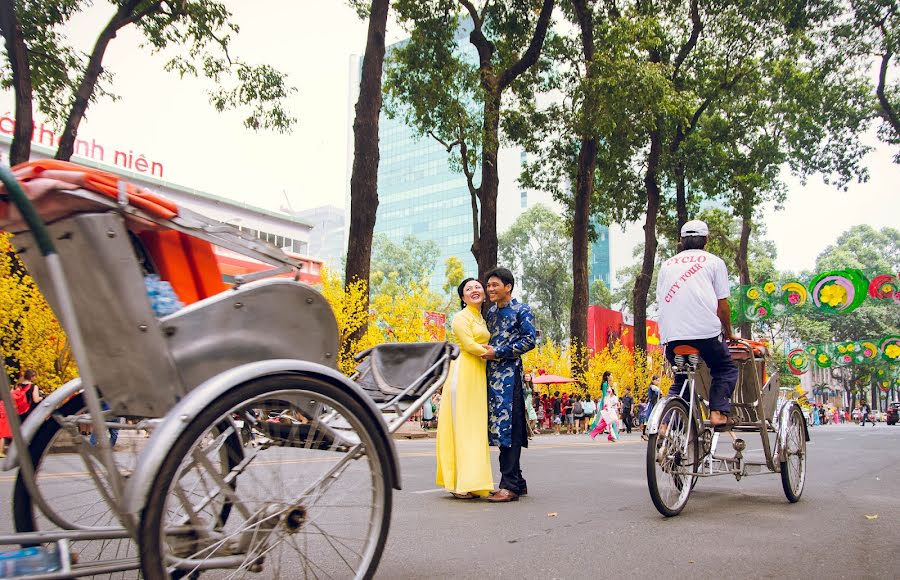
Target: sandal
x=462 y=495
x=728 y=425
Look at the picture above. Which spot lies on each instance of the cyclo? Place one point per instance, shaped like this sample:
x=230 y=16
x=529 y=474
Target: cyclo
x=684 y=447
x=184 y=491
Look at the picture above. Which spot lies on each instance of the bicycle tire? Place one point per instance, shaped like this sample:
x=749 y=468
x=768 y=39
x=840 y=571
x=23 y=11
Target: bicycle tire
x=793 y=471
x=159 y=552
x=658 y=474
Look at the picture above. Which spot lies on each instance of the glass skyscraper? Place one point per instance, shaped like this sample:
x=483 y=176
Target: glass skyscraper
x=419 y=194
x=599 y=266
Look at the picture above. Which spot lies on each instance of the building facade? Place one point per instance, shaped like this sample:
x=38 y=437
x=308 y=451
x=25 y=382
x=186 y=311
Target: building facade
x=327 y=238
x=599 y=266
x=283 y=231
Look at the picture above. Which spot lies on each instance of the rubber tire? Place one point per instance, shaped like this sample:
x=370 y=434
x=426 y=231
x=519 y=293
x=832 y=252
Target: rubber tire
x=23 y=508
x=652 y=484
x=785 y=478
x=148 y=530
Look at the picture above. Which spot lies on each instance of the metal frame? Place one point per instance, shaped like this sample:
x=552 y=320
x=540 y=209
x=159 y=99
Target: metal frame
x=737 y=465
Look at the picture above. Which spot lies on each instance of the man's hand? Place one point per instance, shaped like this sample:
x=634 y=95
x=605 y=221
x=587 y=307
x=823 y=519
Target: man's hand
x=489 y=353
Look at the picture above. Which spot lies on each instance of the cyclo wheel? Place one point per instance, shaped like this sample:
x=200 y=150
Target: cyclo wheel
x=793 y=469
x=669 y=471
x=72 y=496
x=312 y=498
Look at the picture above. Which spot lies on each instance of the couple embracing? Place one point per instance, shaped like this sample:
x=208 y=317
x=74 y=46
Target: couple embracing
x=483 y=400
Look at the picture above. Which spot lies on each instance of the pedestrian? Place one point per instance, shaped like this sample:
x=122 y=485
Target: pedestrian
x=865 y=412
x=610 y=417
x=463 y=456
x=511 y=324
x=5 y=430
x=569 y=410
x=599 y=424
x=627 y=410
x=557 y=409
x=31 y=391
x=113 y=433
x=541 y=412
x=653 y=394
x=528 y=389
x=589 y=409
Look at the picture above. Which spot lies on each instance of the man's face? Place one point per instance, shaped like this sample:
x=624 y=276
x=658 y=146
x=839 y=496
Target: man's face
x=497 y=291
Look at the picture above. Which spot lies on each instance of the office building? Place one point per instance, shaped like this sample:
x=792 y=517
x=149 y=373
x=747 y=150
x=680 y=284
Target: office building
x=599 y=256
x=327 y=238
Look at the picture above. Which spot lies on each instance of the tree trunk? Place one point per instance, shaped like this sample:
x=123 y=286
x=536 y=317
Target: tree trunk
x=584 y=182
x=642 y=283
x=587 y=164
x=888 y=112
x=490 y=182
x=17 y=53
x=124 y=16
x=364 y=178
x=680 y=195
x=743 y=265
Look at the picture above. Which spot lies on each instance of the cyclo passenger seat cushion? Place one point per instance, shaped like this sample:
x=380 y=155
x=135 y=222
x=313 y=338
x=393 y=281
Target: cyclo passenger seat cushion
x=390 y=368
x=686 y=349
x=740 y=352
x=188 y=263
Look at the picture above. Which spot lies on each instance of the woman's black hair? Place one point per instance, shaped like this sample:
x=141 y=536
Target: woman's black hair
x=461 y=289
x=606 y=375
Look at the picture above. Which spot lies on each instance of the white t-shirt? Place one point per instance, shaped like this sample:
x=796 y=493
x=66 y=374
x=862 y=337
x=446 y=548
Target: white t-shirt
x=688 y=291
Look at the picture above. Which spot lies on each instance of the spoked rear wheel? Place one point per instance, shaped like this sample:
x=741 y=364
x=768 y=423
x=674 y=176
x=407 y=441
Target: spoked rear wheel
x=793 y=469
x=670 y=470
x=71 y=496
x=311 y=500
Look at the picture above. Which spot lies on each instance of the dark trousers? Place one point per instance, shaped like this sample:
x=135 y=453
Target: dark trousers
x=627 y=418
x=510 y=467
x=724 y=372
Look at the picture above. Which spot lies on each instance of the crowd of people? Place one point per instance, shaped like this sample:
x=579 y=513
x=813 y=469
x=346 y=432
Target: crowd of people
x=25 y=396
x=827 y=414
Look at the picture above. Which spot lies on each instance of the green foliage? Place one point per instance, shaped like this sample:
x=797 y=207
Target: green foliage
x=397 y=267
x=199 y=32
x=601 y=295
x=454 y=274
x=538 y=246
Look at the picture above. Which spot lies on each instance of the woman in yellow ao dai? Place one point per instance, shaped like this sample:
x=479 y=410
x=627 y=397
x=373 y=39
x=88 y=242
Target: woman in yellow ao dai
x=463 y=459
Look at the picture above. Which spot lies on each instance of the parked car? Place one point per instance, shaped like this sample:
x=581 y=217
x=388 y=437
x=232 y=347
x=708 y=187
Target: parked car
x=893 y=411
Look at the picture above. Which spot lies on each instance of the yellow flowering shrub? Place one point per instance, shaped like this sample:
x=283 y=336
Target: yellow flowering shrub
x=628 y=371
x=30 y=335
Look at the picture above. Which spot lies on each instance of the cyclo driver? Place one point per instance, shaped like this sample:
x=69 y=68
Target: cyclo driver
x=692 y=293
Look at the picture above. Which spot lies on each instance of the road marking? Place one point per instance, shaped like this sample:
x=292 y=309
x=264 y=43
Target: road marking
x=437 y=490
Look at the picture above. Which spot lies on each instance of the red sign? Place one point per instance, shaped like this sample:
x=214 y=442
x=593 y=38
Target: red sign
x=606 y=326
x=44 y=135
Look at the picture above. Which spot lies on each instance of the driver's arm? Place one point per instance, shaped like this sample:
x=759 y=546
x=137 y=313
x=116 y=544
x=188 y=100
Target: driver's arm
x=723 y=311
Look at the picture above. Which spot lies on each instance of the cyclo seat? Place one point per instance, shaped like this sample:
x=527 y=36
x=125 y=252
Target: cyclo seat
x=686 y=349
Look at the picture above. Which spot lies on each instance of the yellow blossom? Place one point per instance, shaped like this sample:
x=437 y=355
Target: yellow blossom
x=892 y=351
x=833 y=295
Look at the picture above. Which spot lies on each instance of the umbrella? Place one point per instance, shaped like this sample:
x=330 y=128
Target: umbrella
x=551 y=380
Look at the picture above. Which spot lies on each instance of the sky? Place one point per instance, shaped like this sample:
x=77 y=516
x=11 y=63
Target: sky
x=169 y=120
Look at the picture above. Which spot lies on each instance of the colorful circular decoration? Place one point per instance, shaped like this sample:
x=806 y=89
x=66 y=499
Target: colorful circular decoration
x=823 y=359
x=890 y=348
x=867 y=353
x=798 y=361
x=844 y=355
x=757 y=310
x=838 y=290
x=884 y=287
x=793 y=294
x=753 y=293
x=770 y=287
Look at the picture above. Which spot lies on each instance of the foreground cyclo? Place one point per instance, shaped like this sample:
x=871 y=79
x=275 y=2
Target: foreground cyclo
x=183 y=491
x=684 y=447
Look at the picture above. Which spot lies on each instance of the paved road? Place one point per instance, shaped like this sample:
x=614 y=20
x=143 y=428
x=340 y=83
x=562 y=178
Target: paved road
x=606 y=526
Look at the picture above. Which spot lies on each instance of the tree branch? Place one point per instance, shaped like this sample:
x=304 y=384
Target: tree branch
x=138 y=16
x=534 y=48
x=889 y=113
x=696 y=28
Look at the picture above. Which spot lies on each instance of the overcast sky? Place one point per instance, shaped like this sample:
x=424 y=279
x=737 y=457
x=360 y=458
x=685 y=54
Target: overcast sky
x=170 y=121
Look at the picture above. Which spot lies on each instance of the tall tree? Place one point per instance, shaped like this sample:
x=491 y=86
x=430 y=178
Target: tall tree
x=537 y=246
x=65 y=82
x=364 y=178
x=437 y=90
x=399 y=266
x=20 y=78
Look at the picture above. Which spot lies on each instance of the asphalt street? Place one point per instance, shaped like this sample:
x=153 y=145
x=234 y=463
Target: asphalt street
x=589 y=515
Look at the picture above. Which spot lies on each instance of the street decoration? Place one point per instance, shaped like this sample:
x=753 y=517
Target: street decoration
x=881 y=352
x=829 y=292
